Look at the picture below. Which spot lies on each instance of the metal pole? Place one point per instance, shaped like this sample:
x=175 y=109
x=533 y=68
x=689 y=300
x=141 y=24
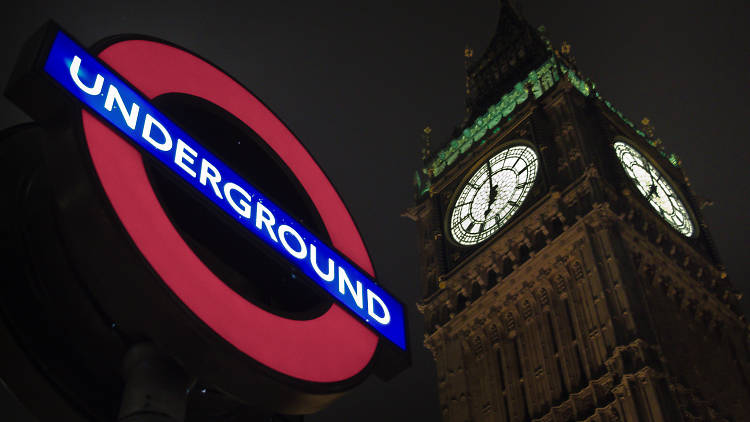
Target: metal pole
x=155 y=387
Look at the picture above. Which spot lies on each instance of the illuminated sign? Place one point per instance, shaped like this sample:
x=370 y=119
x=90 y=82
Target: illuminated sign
x=114 y=101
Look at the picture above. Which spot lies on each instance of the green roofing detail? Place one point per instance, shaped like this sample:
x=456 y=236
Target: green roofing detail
x=538 y=82
x=575 y=80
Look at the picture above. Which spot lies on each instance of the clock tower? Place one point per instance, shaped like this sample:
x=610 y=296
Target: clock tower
x=566 y=270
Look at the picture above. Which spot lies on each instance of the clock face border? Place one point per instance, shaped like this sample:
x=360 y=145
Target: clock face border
x=676 y=188
x=469 y=174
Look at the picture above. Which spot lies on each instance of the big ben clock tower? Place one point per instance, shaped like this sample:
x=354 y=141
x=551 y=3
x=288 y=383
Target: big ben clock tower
x=567 y=272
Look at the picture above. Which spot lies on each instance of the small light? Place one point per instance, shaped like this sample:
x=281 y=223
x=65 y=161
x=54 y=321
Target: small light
x=203 y=391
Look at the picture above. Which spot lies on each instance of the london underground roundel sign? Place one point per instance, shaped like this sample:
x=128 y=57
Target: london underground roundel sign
x=121 y=124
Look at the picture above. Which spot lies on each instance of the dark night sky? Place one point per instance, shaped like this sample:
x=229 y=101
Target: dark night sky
x=358 y=81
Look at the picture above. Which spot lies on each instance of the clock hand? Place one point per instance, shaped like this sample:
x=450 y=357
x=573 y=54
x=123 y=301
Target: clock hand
x=493 y=192
x=650 y=171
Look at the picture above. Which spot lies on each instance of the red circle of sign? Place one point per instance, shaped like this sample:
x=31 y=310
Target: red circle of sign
x=330 y=348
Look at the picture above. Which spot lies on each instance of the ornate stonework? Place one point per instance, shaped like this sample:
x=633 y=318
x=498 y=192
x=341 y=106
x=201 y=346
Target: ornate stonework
x=587 y=305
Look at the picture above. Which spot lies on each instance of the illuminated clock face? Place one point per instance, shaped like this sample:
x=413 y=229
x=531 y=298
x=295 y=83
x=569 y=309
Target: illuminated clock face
x=493 y=194
x=655 y=188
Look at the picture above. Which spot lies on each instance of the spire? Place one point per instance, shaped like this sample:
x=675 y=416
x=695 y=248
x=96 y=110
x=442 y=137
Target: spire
x=426 y=152
x=647 y=126
x=468 y=54
x=514 y=4
x=515 y=49
x=566 y=53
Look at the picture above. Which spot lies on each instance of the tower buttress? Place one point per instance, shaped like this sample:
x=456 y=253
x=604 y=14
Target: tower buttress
x=566 y=268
